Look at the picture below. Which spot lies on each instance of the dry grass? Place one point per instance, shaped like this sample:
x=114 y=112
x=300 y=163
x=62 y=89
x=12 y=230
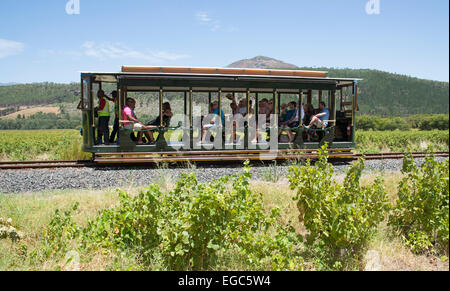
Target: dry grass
x=279 y=194
x=394 y=256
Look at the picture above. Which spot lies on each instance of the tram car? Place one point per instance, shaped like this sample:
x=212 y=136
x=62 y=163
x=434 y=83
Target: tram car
x=211 y=114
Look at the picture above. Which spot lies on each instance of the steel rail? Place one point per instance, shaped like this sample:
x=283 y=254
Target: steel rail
x=115 y=161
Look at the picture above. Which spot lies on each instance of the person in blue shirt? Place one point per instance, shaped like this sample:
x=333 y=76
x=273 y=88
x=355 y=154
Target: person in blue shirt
x=214 y=121
x=290 y=122
x=321 y=119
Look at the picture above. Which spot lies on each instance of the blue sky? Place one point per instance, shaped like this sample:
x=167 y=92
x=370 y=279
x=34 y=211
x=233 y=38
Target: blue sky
x=40 y=41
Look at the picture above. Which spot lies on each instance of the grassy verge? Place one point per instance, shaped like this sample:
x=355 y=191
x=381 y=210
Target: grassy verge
x=31 y=214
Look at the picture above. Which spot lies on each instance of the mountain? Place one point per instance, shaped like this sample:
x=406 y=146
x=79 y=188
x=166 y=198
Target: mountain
x=262 y=62
x=7 y=84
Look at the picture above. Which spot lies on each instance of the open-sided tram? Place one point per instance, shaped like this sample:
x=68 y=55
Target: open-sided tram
x=261 y=133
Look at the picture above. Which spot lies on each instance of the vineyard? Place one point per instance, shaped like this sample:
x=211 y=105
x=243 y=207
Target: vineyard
x=66 y=144
x=41 y=145
x=401 y=141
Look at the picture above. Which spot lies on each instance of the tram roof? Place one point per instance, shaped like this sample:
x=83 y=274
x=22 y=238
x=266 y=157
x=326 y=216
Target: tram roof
x=139 y=75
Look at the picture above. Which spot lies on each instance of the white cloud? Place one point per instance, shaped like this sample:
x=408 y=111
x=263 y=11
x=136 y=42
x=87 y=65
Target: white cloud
x=214 y=24
x=10 y=48
x=65 y=53
x=203 y=17
x=120 y=51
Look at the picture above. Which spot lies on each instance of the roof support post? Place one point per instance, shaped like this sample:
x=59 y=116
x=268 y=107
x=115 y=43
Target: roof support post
x=161 y=107
x=209 y=101
x=247 y=119
x=185 y=103
x=276 y=97
x=191 y=129
x=300 y=106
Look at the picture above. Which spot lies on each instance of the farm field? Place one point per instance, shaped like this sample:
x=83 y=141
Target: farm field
x=27 y=112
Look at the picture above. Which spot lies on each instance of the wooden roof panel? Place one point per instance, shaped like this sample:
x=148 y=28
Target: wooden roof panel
x=224 y=71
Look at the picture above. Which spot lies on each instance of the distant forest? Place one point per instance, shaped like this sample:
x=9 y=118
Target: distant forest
x=381 y=94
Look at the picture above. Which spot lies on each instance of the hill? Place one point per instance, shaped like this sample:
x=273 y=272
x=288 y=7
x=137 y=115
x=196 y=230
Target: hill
x=381 y=93
x=38 y=94
x=387 y=94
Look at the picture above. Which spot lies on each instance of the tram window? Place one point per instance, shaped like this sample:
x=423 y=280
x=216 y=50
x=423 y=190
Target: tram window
x=147 y=105
x=200 y=104
x=315 y=99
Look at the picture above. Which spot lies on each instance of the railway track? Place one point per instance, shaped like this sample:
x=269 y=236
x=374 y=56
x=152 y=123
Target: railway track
x=122 y=159
x=44 y=165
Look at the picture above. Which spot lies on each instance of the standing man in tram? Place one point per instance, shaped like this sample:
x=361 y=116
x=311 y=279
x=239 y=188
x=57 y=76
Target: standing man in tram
x=103 y=118
x=115 y=131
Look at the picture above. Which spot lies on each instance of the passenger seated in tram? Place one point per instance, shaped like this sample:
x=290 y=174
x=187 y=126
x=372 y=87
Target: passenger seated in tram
x=167 y=115
x=283 y=112
x=291 y=116
x=239 y=111
x=265 y=111
x=240 y=108
x=130 y=121
x=308 y=110
x=320 y=120
x=292 y=120
x=214 y=121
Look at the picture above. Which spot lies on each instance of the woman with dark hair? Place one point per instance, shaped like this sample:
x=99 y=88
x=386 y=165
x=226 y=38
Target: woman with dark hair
x=309 y=113
x=167 y=115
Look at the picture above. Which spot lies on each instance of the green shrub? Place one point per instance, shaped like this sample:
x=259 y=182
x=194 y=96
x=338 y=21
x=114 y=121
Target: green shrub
x=421 y=214
x=434 y=122
x=131 y=226
x=61 y=232
x=188 y=228
x=339 y=218
x=417 y=121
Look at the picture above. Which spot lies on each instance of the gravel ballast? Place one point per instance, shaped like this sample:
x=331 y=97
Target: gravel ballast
x=25 y=181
